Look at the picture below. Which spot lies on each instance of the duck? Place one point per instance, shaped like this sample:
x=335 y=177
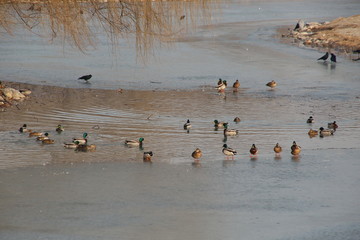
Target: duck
x=222 y=86
x=43 y=137
x=187 y=125
x=134 y=142
x=277 y=148
x=271 y=84
x=59 y=128
x=24 y=129
x=72 y=145
x=85 y=147
x=325 y=132
x=219 y=82
x=313 y=132
x=236 y=85
x=147 y=156
x=48 y=141
x=82 y=140
x=230 y=132
x=229 y=152
x=35 y=134
x=253 y=150
x=333 y=125
x=295 y=149
x=237 y=119
x=310 y=120
x=218 y=124
x=197 y=154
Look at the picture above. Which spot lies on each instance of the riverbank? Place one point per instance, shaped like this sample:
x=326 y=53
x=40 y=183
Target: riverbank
x=341 y=35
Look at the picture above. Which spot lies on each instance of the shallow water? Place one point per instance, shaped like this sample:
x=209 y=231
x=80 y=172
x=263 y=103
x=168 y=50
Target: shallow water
x=48 y=192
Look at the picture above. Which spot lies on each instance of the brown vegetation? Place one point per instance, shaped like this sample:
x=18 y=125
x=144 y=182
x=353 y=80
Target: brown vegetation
x=76 y=22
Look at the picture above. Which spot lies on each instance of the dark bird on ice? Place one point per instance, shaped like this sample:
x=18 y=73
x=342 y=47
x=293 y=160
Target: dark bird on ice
x=85 y=77
x=324 y=57
x=333 y=57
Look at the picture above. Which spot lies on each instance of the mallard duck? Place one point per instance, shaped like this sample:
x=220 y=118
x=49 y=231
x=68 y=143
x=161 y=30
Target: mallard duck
x=310 y=120
x=59 y=128
x=333 y=125
x=219 y=82
x=229 y=152
x=221 y=87
x=187 y=125
x=196 y=154
x=24 y=129
x=134 y=142
x=236 y=85
x=325 y=132
x=313 y=133
x=85 y=147
x=237 y=119
x=295 y=149
x=271 y=84
x=218 y=124
x=277 y=148
x=230 y=132
x=147 y=156
x=43 y=137
x=253 y=150
x=35 y=134
x=72 y=145
x=82 y=140
x=48 y=141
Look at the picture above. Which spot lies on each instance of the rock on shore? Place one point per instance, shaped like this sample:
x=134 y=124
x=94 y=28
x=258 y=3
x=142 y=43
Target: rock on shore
x=8 y=95
x=341 y=34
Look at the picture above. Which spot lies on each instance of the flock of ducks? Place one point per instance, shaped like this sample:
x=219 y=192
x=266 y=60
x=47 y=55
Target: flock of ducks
x=322 y=132
x=222 y=85
x=80 y=144
x=230 y=153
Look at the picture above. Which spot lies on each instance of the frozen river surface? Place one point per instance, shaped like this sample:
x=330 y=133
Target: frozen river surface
x=48 y=192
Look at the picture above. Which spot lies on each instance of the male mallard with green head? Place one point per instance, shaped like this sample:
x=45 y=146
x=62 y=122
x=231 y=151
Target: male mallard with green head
x=82 y=140
x=310 y=120
x=295 y=149
x=218 y=124
x=325 y=132
x=72 y=145
x=147 y=156
x=230 y=132
x=229 y=152
x=43 y=137
x=132 y=143
x=59 y=128
x=187 y=125
x=24 y=129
